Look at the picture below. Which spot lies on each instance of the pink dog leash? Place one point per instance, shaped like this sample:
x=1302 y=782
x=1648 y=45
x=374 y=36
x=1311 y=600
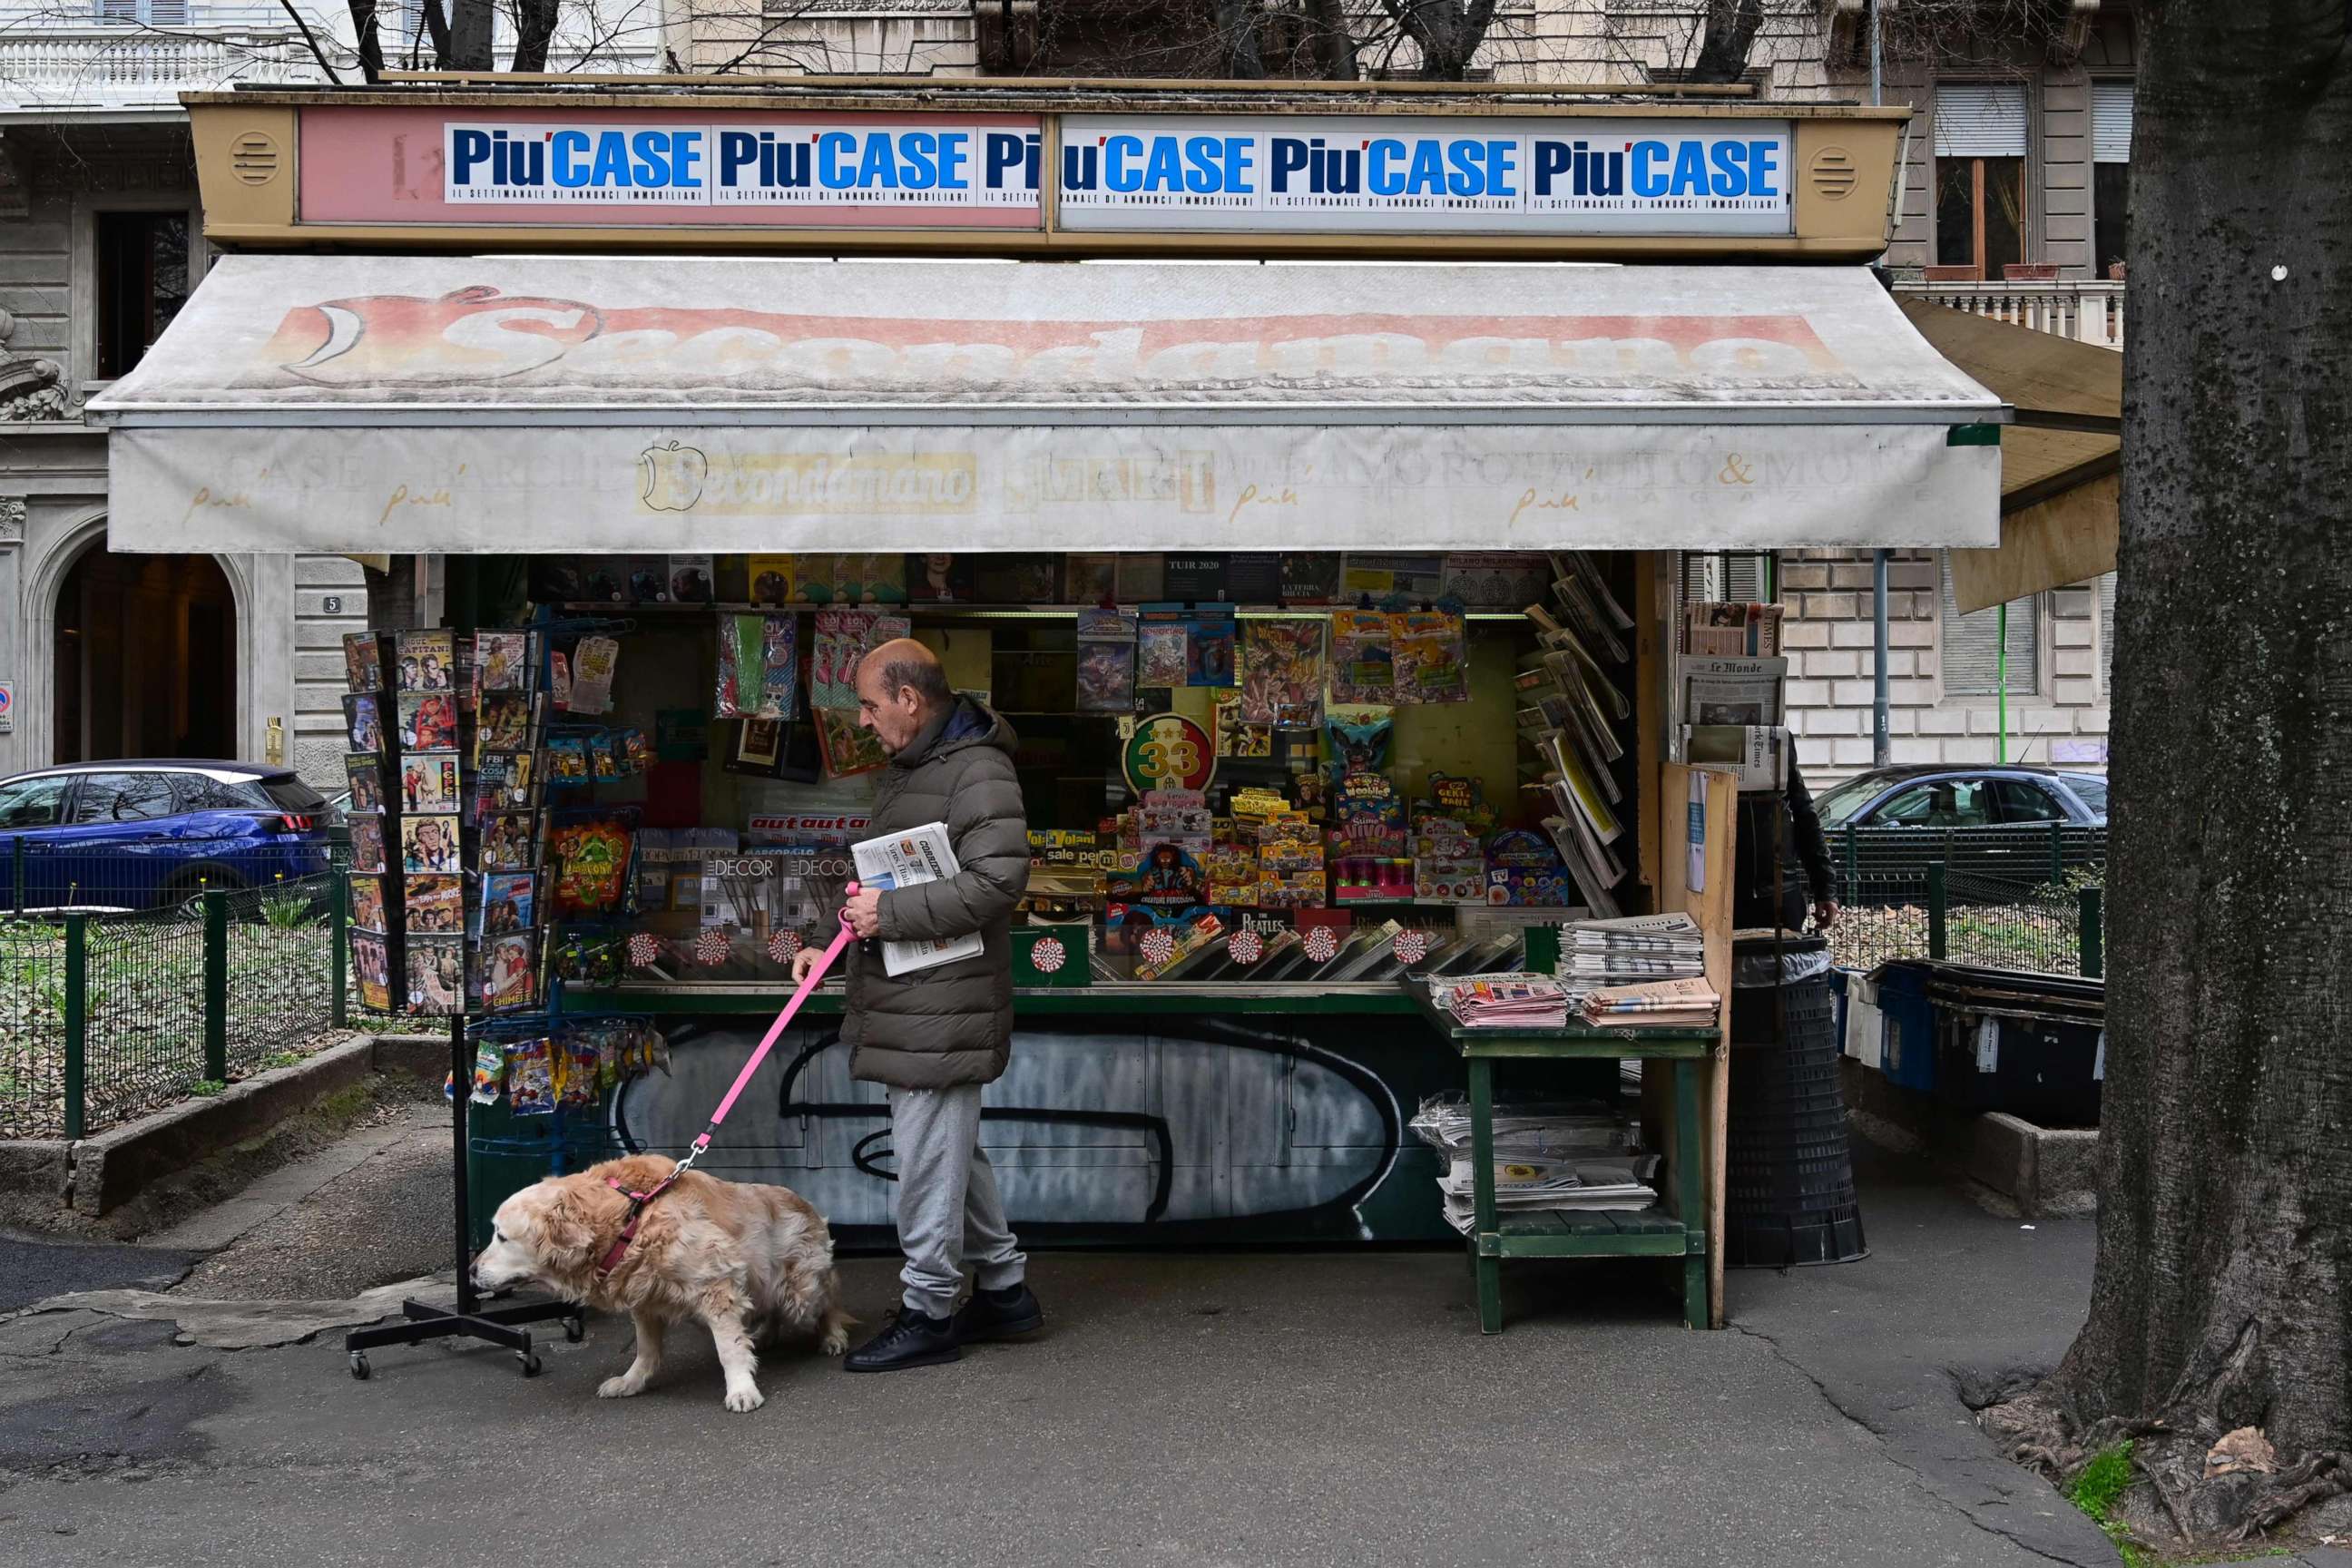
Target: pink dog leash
x=637 y=1201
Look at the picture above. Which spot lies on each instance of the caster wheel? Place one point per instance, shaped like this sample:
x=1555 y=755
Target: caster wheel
x=360 y=1366
x=575 y=1330
x=530 y=1363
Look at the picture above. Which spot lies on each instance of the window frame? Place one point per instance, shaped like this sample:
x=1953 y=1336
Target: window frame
x=2036 y=688
x=91 y=790
x=68 y=793
x=83 y=279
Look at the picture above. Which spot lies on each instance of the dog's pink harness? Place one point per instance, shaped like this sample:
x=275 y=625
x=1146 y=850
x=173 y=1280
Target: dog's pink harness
x=637 y=1201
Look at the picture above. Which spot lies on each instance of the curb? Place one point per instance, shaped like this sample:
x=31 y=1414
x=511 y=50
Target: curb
x=97 y=1175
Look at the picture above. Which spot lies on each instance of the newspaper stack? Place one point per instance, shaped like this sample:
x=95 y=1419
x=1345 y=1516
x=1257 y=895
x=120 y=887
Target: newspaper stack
x=1596 y=954
x=1656 y=1004
x=1571 y=714
x=1510 y=1000
x=1560 y=1158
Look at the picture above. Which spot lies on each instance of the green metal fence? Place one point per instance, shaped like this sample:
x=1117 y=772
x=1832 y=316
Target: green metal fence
x=108 y=1012
x=2054 y=926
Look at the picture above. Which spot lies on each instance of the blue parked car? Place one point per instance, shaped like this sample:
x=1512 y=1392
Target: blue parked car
x=151 y=833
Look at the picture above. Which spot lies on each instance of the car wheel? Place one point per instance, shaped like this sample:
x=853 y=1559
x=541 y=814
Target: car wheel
x=185 y=892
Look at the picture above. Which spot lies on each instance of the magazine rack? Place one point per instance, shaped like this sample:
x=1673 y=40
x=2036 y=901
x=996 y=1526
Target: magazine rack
x=422 y=1320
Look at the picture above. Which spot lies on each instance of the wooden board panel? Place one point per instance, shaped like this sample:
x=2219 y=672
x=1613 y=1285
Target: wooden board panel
x=1709 y=903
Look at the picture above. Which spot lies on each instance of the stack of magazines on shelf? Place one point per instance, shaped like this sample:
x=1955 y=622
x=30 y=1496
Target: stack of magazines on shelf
x=1510 y=999
x=1559 y=1158
x=1572 y=716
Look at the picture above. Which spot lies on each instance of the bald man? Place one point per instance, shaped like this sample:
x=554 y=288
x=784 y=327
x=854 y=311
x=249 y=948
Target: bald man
x=934 y=1037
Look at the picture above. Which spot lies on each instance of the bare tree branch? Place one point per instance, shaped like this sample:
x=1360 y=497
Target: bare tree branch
x=370 y=41
x=310 y=42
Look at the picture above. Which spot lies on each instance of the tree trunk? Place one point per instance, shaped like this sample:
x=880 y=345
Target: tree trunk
x=469 y=47
x=2224 y=1290
x=1335 y=43
x=534 y=28
x=368 y=39
x=1730 y=33
x=1237 y=39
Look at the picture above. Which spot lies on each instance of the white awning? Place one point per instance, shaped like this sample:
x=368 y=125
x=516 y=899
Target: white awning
x=602 y=404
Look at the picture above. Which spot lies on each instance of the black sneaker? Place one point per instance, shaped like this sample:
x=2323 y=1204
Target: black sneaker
x=999 y=1315
x=914 y=1340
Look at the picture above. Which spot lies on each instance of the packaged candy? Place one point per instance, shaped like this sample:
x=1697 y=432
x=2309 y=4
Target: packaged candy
x=530 y=1077
x=489 y=1072
x=581 y=1070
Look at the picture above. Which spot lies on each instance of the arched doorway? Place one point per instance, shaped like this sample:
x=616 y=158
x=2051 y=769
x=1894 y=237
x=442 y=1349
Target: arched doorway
x=145 y=651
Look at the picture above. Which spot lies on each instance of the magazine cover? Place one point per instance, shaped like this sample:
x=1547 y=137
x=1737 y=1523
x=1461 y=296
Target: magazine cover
x=428 y=784
x=428 y=844
x=435 y=971
x=427 y=660
x=509 y=974
x=363 y=718
x=691 y=580
x=510 y=842
x=938 y=578
x=503 y=660
x=509 y=902
x=371 y=961
x=367 y=904
x=428 y=722
x=367 y=844
x=433 y=904
x=1162 y=649
x=365 y=776
x=1105 y=661
x=363 y=661
x=1363 y=663
x=847 y=747
x=590 y=854
x=1282 y=673
x=771 y=579
x=1432 y=659
x=504 y=783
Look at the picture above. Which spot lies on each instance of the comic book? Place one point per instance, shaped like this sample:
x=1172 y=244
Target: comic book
x=1282 y=673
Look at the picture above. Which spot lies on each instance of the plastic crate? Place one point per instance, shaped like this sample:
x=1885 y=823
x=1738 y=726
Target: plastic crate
x=1911 y=1044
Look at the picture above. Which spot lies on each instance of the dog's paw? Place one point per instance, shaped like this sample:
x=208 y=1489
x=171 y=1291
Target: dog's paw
x=620 y=1386
x=746 y=1399
x=835 y=1343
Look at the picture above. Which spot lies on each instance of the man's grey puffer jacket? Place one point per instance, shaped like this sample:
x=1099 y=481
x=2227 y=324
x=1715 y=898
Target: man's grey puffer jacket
x=951 y=1025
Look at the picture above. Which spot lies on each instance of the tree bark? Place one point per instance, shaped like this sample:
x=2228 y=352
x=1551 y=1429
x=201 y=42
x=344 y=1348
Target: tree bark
x=368 y=39
x=534 y=28
x=1729 y=35
x=2222 y=1295
x=1335 y=43
x=469 y=45
x=1237 y=37
x=1447 y=32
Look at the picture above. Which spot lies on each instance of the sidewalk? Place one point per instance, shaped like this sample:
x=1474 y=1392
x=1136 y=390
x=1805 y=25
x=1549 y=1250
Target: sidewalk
x=1186 y=1409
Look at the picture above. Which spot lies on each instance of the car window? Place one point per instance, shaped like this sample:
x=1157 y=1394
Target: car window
x=2022 y=800
x=124 y=798
x=2091 y=790
x=1835 y=805
x=293 y=794
x=1941 y=803
x=34 y=803
x=198 y=792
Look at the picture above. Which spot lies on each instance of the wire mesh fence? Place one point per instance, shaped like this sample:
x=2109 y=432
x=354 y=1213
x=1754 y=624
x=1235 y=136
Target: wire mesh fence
x=1936 y=911
x=117 y=998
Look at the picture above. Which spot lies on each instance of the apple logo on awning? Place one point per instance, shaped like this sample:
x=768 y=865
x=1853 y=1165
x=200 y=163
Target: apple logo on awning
x=671 y=475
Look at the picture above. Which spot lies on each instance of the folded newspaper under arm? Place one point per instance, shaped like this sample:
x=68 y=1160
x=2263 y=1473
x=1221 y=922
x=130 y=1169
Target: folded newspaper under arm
x=909 y=860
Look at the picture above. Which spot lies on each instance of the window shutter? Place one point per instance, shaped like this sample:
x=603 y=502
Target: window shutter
x=1980 y=119
x=2111 y=121
x=1971 y=646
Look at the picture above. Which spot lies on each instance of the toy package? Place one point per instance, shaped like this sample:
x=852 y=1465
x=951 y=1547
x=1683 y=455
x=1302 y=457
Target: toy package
x=1282 y=673
x=1430 y=657
x=592 y=864
x=593 y=664
x=1209 y=651
x=1237 y=737
x=1356 y=740
x=1162 y=649
x=1363 y=662
x=531 y=1076
x=489 y=1072
x=1523 y=870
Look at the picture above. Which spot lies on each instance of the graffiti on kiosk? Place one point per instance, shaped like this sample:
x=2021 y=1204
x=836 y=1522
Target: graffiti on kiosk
x=560 y=348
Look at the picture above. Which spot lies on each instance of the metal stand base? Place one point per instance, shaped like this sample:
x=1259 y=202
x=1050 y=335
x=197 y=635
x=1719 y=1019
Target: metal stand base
x=470 y=1320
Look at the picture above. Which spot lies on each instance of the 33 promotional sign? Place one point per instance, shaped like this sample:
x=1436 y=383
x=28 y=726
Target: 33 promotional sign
x=1169 y=750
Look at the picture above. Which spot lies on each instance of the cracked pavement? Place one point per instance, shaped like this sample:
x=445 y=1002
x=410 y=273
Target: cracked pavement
x=1188 y=1408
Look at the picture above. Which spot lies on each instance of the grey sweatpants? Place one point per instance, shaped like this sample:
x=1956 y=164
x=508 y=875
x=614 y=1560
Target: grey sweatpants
x=948 y=1205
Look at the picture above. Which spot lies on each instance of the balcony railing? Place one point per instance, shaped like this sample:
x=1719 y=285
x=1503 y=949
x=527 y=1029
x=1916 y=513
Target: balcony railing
x=2086 y=311
x=118 y=68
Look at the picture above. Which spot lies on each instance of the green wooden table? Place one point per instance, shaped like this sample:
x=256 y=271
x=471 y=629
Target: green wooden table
x=1645 y=1233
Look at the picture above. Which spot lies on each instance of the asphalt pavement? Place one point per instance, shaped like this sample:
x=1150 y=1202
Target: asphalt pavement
x=1219 y=1408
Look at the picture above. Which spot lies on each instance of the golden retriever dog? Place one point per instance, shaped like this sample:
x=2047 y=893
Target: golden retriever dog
x=743 y=1260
